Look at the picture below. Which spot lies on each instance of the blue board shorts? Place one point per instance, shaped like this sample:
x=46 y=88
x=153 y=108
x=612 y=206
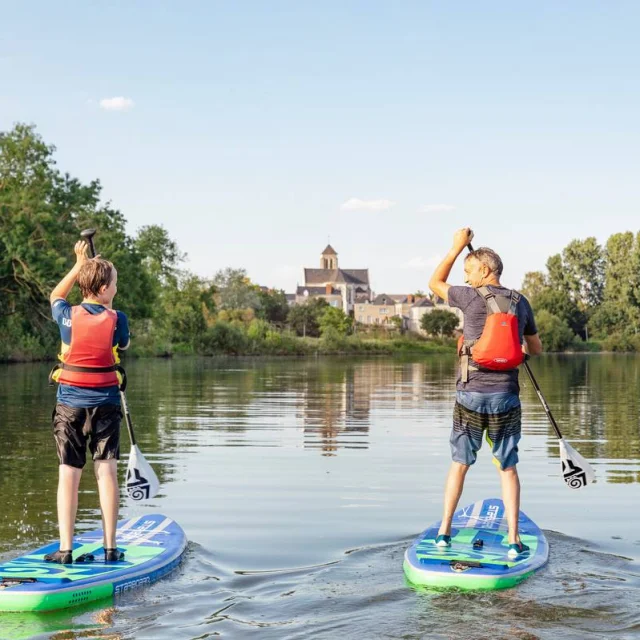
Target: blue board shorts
x=497 y=414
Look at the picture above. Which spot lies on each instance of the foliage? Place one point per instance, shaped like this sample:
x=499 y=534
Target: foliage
x=223 y=337
x=587 y=291
x=273 y=306
x=439 y=322
x=304 y=318
x=41 y=214
x=187 y=303
x=593 y=290
x=554 y=331
x=161 y=256
x=235 y=290
x=336 y=321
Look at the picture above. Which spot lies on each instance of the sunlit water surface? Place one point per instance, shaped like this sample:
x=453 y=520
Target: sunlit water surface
x=300 y=483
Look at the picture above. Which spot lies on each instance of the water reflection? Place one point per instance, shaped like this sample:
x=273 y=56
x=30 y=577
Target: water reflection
x=596 y=401
x=326 y=403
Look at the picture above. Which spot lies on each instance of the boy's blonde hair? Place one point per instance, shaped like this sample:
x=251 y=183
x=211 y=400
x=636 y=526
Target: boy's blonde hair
x=94 y=274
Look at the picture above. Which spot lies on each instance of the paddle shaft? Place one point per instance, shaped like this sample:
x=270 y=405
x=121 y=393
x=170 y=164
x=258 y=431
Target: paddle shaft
x=536 y=386
x=127 y=417
x=87 y=236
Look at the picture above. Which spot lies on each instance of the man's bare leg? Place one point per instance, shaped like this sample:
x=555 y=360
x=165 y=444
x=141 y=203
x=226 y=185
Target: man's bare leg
x=452 y=493
x=107 y=477
x=511 y=498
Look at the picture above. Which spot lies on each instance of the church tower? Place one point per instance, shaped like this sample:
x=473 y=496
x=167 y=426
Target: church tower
x=329 y=259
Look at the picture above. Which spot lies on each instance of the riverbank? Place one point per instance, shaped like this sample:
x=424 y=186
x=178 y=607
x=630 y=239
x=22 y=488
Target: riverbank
x=274 y=343
x=232 y=341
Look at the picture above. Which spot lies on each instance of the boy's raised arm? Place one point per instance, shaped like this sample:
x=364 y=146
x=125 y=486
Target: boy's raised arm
x=63 y=288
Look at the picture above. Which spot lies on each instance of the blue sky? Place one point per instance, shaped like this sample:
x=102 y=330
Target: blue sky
x=254 y=131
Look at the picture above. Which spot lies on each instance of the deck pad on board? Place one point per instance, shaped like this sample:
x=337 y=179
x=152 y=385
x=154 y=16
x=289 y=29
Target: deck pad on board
x=153 y=545
x=477 y=557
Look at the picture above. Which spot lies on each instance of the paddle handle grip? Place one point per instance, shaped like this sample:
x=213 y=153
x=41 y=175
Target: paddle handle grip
x=87 y=236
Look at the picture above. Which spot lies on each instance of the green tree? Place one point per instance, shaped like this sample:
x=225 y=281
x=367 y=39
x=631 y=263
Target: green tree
x=160 y=254
x=559 y=304
x=37 y=209
x=187 y=304
x=619 y=276
x=584 y=266
x=235 y=290
x=439 y=322
x=554 y=332
x=273 y=307
x=610 y=317
x=396 y=321
x=137 y=294
x=335 y=319
x=304 y=319
x=41 y=214
x=534 y=283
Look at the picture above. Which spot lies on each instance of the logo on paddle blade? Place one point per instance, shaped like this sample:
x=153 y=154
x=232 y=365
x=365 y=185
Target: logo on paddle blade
x=574 y=476
x=138 y=487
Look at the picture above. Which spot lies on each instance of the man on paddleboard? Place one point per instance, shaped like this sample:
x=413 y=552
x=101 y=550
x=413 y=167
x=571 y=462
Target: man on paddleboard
x=88 y=400
x=498 y=328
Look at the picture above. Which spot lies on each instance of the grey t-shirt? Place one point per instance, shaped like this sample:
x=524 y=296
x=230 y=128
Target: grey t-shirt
x=473 y=306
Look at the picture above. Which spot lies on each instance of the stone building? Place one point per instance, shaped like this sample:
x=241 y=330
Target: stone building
x=341 y=288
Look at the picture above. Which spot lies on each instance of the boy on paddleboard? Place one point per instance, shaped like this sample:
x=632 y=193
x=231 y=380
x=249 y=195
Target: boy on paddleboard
x=88 y=400
x=499 y=328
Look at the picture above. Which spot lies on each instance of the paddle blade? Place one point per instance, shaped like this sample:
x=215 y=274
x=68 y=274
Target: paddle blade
x=576 y=471
x=141 y=481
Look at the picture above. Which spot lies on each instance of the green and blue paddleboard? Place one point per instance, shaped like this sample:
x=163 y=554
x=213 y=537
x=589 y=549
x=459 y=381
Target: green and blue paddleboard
x=477 y=558
x=153 y=546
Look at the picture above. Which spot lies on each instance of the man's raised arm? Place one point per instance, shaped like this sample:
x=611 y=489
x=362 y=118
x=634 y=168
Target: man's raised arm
x=438 y=283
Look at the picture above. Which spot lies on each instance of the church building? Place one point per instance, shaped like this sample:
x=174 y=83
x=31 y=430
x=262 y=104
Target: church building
x=341 y=288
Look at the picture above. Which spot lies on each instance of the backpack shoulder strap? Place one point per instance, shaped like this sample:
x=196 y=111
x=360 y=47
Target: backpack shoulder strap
x=489 y=300
x=515 y=298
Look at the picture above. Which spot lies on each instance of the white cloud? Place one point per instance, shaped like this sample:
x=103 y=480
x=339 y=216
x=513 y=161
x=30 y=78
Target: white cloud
x=119 y=103
x=356 y=204
x=422 y=263
x=436 y=208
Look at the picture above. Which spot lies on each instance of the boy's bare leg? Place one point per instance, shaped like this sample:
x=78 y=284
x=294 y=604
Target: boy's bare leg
x=107 y=477
x=452 y=493
x=68 y=483
x=511 y=498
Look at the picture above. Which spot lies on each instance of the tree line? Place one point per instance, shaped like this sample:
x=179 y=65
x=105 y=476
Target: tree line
x=172 y=310
x=589 y=295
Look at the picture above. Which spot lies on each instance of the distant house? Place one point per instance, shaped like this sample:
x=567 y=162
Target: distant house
x=422 y=306
x=384 y=307
x=341 y=288
x=425 y=305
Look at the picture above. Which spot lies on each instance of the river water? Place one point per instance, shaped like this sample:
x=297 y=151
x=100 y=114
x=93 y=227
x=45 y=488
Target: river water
x=300 y=483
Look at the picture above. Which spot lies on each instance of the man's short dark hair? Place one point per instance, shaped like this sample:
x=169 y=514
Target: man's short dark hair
x=488 y=257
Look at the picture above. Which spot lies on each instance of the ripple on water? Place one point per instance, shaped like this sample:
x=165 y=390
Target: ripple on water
x=581 y=594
